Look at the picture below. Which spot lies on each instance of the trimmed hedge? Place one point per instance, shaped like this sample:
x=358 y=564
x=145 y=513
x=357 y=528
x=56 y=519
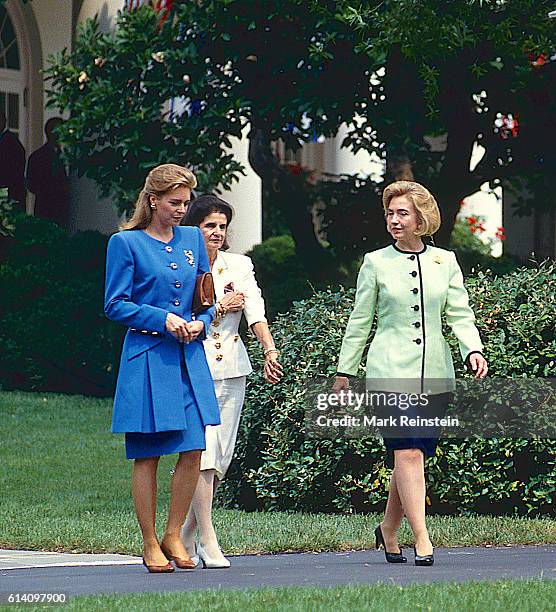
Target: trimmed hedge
x=280 y=274
x=283 y=279
x=53 y=331
x=278 y=467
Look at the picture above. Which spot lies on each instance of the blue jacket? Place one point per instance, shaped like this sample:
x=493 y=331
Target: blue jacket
x=145 y=280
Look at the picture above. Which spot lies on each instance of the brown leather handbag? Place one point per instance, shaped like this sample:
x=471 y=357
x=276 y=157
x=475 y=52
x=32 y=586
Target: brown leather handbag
x=203 y=297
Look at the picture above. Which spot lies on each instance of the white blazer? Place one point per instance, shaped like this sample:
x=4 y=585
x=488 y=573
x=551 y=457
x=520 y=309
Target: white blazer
x=226 y=354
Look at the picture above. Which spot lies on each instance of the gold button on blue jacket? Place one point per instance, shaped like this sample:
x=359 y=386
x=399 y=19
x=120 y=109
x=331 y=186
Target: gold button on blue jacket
x=409 y=293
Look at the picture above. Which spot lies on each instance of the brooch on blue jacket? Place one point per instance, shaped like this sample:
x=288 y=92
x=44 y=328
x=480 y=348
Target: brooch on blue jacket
x=190 y=258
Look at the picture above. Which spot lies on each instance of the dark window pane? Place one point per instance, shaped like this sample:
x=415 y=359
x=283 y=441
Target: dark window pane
x=9 y=52
x=13 y=111
x=12 y=57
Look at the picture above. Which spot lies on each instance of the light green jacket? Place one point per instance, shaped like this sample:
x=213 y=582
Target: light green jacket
x=409 y=292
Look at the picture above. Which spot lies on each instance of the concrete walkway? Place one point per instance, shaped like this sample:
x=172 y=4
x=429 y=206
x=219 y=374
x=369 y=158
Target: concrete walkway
x=22 y=559
x=78 y=574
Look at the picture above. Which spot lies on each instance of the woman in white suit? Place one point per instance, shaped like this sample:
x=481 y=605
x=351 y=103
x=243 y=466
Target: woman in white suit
x=237 y=295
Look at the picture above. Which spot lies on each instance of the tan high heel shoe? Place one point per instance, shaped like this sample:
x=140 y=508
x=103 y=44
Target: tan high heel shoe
x=186 y=564
x=159 y=569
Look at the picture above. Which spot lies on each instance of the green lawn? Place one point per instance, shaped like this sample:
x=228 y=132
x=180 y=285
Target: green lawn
x=65 y=485
x=499 y=596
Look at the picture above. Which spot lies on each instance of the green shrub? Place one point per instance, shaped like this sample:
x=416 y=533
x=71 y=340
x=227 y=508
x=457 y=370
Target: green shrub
x=283 y=279
x=463 y=238
x=473 y=253
x=278 y=467
x=53 y=331
x=279 y=273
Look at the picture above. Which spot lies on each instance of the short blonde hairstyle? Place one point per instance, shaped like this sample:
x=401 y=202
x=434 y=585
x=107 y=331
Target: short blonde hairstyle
x=160 y=180
x=424 y=202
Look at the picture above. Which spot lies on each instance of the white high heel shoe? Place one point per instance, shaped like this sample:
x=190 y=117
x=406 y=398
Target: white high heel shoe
x=210 y=563
x=195 y=557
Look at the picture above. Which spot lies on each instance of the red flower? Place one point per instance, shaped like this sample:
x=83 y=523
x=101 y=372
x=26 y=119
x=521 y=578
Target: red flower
x=537 y=59
x=295 y=169
x=515 y=128
x=163 y=7
x=506 y=126
x=500 y=233
x=475 y=225
x=160 y=6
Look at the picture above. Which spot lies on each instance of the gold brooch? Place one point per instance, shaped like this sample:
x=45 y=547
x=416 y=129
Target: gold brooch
x=437 y=259
x=190 y=258
x=220 y=270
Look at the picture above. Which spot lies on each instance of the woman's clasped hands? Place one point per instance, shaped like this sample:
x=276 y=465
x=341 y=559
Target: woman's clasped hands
x=182 y=330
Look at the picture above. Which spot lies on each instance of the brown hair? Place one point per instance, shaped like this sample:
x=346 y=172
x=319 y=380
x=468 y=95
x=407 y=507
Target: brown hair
x=424 y=202
x=203 y=206
x=159 y=181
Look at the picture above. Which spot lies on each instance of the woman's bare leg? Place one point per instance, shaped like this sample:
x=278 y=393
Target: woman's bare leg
x=393 y=516
x=143 y=486
x=410 y=481
x=184 y=481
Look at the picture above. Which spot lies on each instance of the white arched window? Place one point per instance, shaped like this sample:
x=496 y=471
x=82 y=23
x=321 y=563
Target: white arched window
x=12 y=83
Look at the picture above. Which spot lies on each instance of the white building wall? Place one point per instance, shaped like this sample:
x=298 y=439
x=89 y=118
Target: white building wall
x=338 y=160
x=48 y=29
x=486 y=204
x=54 y=21
x=89 y=210
x=246 y=198
x=104 y=10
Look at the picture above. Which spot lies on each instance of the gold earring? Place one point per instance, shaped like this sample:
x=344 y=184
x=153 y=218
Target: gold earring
x=153 y=206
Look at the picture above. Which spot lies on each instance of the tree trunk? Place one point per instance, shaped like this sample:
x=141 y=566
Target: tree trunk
x=291 y=194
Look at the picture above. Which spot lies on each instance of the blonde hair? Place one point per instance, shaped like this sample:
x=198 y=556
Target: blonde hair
x=424 y=202
x=159 y=181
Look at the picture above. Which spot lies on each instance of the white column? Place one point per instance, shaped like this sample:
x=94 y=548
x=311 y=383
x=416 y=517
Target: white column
x=246 y=199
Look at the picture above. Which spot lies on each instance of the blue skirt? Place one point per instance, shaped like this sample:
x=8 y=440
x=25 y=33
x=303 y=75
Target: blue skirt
x=142 y=445
x=424 y=438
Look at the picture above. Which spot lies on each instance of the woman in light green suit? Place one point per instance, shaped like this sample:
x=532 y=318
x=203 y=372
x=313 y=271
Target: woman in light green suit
x=409 y=285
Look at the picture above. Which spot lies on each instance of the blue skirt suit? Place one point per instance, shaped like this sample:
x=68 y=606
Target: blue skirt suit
x=165 y=393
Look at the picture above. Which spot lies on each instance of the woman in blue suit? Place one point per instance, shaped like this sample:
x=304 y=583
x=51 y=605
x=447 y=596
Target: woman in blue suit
x=165 y=394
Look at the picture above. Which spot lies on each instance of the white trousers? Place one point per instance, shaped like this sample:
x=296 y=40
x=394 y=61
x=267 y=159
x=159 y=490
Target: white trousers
x=221 y=439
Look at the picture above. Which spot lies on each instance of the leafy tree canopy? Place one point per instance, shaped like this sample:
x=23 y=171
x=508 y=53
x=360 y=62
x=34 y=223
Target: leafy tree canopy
x=420 y=83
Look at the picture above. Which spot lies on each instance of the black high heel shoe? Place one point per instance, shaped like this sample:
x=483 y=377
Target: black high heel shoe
x=390 y=557
x=423 y=560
